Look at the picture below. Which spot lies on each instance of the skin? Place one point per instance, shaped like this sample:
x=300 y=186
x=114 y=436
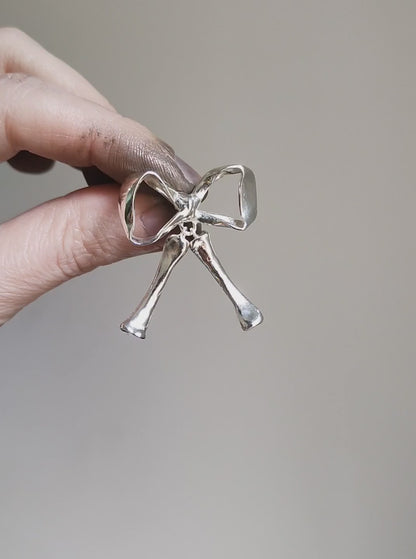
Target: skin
x=49 y=112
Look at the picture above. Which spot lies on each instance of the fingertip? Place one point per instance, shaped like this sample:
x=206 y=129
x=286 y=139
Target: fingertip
x=27 y=162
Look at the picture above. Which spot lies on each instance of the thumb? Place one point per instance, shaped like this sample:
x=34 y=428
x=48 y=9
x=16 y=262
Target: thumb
x=66 y=237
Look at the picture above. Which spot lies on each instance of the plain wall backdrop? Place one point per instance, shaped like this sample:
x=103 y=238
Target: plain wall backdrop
x=294 y=440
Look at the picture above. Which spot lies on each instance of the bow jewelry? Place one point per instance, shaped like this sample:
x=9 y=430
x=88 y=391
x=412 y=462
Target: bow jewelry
x=189 y=219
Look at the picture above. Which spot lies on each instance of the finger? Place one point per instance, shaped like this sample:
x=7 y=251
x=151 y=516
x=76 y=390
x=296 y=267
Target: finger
x=19 y=53
x=50 y=122
x=27 y=162
x=66 y=237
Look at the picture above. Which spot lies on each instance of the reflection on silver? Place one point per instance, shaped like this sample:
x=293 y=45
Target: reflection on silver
x=189 y=220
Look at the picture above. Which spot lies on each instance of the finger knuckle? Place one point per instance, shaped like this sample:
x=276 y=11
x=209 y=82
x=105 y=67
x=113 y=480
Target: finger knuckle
x=85 y=244
x=72 y=256
x=13 y=88
x=13 y=79
x=10 y=31
x=12 y=34
x=15 y=84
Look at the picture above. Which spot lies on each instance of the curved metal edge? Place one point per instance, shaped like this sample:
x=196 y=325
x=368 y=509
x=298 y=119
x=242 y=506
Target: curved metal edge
x=247 y=197
x=127 y=199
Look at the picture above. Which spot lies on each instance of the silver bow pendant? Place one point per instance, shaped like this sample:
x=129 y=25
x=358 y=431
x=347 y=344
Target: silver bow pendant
x=189 y=220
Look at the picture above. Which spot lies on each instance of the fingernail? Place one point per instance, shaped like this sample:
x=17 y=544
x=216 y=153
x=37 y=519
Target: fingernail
x=188 y=172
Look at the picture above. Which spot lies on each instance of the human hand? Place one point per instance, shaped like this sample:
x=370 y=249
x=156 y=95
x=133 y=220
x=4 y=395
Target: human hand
x=50 y=112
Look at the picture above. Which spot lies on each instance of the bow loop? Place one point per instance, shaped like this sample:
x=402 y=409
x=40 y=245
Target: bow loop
x=247 y=197
x=127 y=200
x=187 y=204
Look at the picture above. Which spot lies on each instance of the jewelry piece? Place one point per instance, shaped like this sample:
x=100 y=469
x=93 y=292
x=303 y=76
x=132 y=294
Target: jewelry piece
x=189 y=219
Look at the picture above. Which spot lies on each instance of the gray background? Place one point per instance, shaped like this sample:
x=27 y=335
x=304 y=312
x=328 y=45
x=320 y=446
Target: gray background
x=296 y=439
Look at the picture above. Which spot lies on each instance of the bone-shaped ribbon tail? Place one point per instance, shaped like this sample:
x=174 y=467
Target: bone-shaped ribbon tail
x=189 y=219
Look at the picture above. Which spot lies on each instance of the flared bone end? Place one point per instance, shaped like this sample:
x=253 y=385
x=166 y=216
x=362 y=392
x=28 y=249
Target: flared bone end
x=249 y=316
x=126 y=327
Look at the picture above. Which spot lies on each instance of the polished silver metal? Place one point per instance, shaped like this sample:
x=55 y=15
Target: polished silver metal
x=189 y=219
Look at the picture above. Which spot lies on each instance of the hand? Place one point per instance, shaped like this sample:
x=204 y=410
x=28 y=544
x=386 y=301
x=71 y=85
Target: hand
x=49 y=112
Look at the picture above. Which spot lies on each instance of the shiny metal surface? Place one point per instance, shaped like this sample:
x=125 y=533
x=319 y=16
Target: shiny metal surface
x=189 y=219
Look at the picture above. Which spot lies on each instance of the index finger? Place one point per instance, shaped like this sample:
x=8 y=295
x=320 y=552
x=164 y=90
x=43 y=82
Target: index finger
x=50 y=122
x=19 y=53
